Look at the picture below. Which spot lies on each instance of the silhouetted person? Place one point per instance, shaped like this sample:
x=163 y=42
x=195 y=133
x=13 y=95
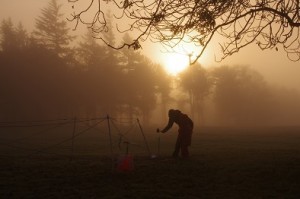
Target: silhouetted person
x=184 y=132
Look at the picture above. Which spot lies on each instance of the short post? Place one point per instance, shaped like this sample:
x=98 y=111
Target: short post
x=73 y=137
x=138 y=121
x=158 y=146
x=110 y=141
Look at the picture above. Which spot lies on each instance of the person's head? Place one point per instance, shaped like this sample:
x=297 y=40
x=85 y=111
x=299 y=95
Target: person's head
x=173 y=113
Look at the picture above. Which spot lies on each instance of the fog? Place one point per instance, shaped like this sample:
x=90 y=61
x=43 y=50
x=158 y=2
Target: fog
x=83 y=78
x=81 y=120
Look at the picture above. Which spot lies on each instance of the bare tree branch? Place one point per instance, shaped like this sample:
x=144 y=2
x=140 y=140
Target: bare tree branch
x=267 y=23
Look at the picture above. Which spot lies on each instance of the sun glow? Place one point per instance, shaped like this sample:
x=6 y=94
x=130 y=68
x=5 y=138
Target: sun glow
x=177 y=59
x=175 y=63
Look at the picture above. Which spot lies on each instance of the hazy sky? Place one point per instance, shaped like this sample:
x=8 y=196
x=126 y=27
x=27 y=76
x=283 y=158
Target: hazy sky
x=274 y=65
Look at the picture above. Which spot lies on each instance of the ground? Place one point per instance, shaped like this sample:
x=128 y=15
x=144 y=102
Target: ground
x=225 y=163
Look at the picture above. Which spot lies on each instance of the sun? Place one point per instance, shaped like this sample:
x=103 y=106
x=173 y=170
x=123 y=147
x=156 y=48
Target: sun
x=176 y=59
x=175 y=63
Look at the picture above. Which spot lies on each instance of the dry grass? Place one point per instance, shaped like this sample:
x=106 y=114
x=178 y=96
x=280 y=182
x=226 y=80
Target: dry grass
x=225 y=163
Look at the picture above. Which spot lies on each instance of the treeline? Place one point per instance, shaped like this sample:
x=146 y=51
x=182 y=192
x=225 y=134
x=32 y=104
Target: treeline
x=44 y=75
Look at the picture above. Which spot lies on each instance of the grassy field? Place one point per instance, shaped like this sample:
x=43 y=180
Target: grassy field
x=224 y=163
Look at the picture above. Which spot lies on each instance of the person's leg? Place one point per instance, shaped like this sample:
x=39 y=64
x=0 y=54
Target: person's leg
x=185 y=143
x=177 y=147
x=185 y=151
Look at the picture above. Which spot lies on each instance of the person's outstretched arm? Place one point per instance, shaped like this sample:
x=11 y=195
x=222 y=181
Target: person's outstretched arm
x=169 y=125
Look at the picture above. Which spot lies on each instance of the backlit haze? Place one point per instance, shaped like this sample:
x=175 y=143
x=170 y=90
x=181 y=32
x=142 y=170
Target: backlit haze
x=276 y=69
x=82 y=120
x=274 y=65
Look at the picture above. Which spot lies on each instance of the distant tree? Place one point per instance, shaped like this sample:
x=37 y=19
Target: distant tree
x=8 y=36
x=196 y=81
x=22 y=37
x=101 y=76
x=13 y=38
x=241 y=96
x=30 y=76
x=238 y=23
x=163 y=89
x=286 y=108
x=139 y=83
x=89 y=53
x=35 y=85
x=51 y=29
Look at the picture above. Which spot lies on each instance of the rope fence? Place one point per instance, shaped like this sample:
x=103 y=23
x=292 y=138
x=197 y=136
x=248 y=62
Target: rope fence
x=115 y=133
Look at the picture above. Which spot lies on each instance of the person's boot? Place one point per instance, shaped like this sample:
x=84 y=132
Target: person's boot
x=175 y=154
x=185 y=152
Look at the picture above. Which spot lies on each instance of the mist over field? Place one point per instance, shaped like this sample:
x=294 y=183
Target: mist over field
x=41 y=85
x=79 y=119
x=66 y=76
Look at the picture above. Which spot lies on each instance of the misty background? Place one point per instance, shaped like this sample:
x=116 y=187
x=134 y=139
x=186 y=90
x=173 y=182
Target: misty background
x=47 y=72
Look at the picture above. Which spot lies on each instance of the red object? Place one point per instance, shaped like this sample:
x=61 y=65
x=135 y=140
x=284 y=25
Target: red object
x=125 y=164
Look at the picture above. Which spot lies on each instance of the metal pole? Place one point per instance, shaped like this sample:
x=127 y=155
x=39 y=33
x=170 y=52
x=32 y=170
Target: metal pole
x=110 y=141
x=158 y=146
x=73 y=137
x=144 y=136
